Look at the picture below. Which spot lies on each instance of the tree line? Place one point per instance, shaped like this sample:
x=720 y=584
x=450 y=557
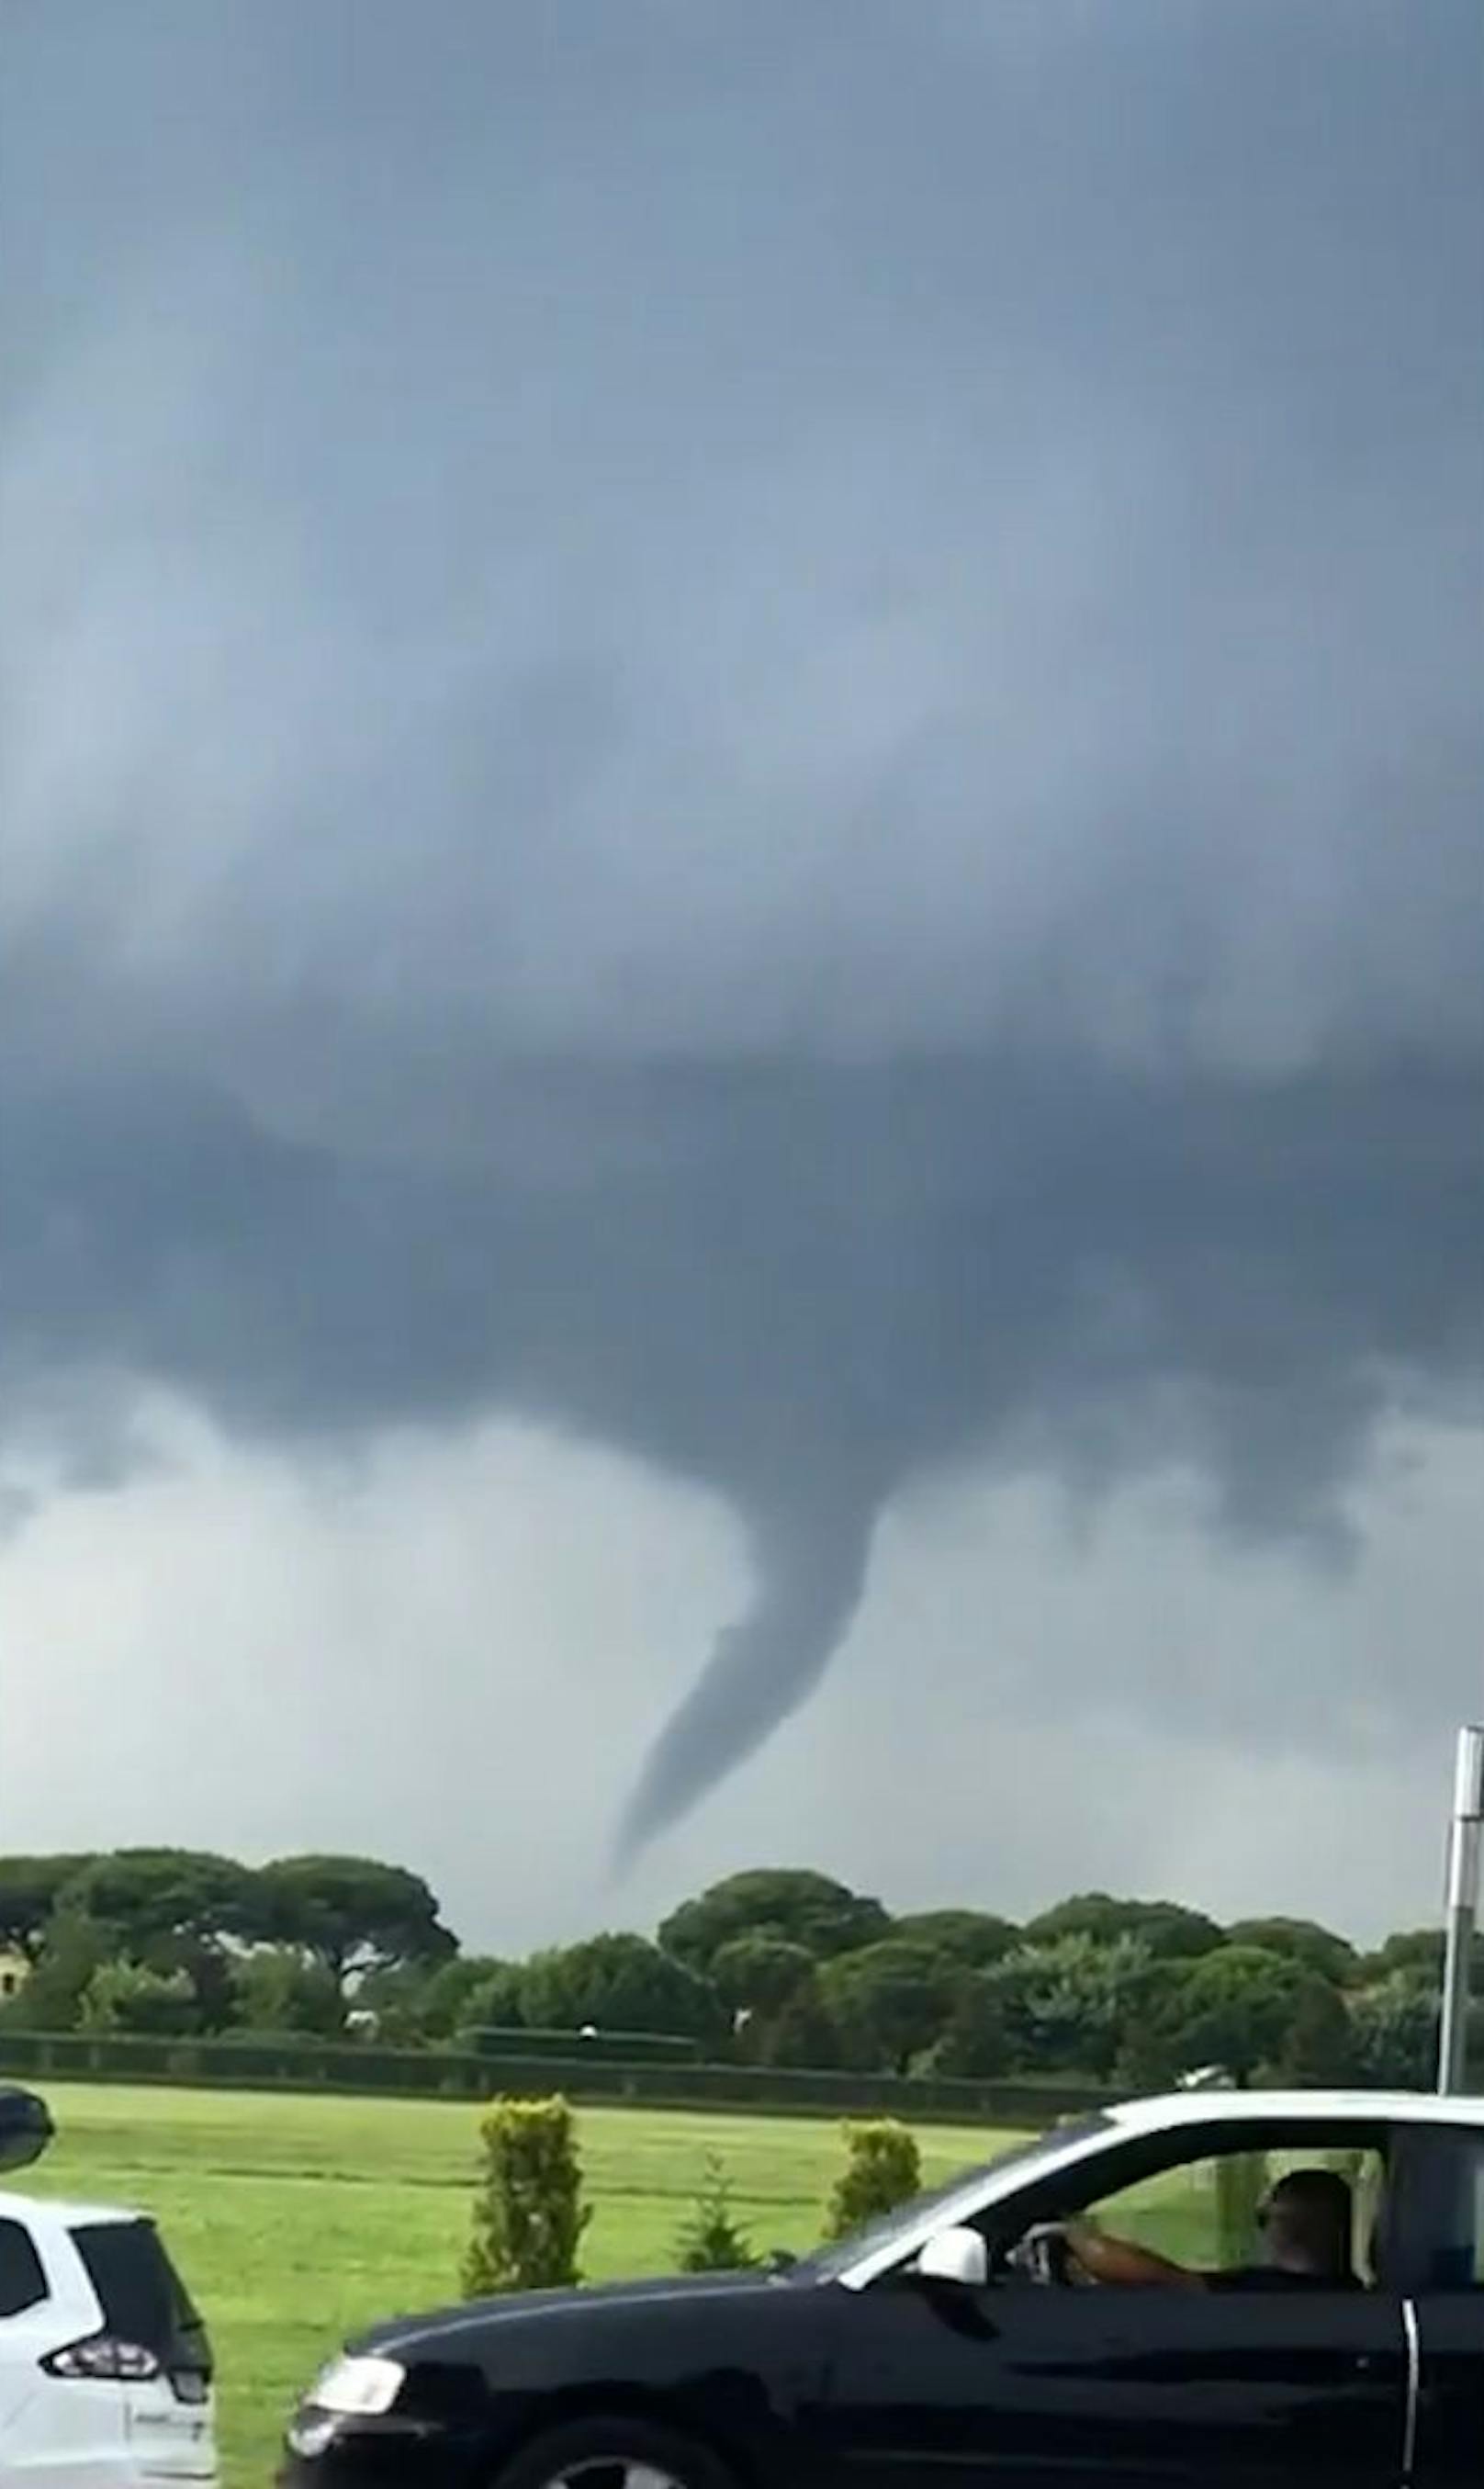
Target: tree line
x=183 y=1941
x=774 y=1966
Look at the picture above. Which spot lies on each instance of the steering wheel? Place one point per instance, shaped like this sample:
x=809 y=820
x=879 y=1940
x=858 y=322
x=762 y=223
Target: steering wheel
x=1044 y=2257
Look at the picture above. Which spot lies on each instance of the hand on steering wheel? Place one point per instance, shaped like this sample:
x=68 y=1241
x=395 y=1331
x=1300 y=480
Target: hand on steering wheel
x=1045 y=2256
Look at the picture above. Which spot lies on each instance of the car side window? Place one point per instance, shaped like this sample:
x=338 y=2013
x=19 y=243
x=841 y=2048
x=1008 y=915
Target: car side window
x=1203 y=2214
x=1439 y=2212
x=22 y=2278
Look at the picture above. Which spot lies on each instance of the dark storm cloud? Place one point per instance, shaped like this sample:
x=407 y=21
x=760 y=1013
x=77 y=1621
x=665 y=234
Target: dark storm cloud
x=757 y=729
x=806 y=1289
x=853 y=527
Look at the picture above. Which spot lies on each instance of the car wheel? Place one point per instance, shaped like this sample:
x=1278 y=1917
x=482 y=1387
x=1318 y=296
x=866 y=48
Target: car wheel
x=615 y=2454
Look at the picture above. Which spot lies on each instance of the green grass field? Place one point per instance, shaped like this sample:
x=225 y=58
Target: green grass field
x=299 y=2220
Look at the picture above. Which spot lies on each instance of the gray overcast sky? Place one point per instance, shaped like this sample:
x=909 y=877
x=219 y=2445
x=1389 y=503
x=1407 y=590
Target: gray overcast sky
x=741 y=910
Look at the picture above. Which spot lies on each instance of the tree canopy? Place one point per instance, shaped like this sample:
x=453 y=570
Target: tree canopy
x=150 y=1895
x=1235 y=2009
x=1302 y=1940
x=975 y=1937
x=888 y=2002
x=1067 y=2002
x=616 y=1982
x=795 y=1904
x=352 y=1915
x=30 y=1890
x=762 y=1974
x=1167 y=1929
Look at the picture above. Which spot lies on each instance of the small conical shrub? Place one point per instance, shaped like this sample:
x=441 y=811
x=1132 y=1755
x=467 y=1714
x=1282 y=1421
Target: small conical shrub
x=882 y=2170
x=712 y=2241
x=528 y=2213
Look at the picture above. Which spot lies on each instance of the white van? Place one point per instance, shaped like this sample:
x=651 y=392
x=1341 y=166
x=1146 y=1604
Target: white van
x=105 y=2369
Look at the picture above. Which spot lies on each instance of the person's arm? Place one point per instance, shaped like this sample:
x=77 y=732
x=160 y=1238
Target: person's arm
x=1120 y=2261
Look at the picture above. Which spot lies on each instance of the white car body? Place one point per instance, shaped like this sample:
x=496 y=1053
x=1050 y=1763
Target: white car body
x=82 y=2406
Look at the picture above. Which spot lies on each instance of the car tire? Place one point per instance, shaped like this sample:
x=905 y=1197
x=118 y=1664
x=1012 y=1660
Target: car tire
x=615 y=2453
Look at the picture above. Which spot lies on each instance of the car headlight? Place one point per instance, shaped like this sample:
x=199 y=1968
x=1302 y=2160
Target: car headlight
x=358 y=2389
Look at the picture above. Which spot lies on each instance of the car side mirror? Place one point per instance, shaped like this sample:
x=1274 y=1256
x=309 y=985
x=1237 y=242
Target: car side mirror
x=958 y=2256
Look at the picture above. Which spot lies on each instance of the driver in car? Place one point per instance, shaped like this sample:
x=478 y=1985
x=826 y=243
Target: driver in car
x=1306 y=2224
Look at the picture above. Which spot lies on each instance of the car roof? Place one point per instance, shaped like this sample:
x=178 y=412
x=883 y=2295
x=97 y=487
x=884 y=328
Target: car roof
x=53 y=2211
x=1221 y=2107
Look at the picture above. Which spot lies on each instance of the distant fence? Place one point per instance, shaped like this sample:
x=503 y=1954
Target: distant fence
x=617 y=2048
x=311 y=2066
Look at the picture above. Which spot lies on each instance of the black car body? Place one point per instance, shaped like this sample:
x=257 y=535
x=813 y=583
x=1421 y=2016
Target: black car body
x=918 y=2353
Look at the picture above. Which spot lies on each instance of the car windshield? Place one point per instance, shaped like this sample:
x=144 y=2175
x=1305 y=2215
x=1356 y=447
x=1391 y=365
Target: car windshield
x=961 y=2196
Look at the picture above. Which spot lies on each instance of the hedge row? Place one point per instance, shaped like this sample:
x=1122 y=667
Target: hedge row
x=266 y=2065
x=621 y=2047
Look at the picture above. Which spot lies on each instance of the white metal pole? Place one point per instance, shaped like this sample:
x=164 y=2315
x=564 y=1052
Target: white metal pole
x=1462 y=1907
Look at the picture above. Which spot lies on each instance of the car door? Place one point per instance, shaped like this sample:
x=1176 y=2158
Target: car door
x=25 y=2292
x=50 y=2430
x=1227 y=2388
x=1014 y=2386
x=1435 y=2247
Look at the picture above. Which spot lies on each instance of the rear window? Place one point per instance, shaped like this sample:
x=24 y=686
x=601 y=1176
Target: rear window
x=142 y=2295
x=22 y=2282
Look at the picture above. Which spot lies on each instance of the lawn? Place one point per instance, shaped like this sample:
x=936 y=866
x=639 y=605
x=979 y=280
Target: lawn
x=297 y=2220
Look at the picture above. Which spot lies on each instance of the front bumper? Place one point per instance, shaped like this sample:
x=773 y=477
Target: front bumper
x=322 y=2453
